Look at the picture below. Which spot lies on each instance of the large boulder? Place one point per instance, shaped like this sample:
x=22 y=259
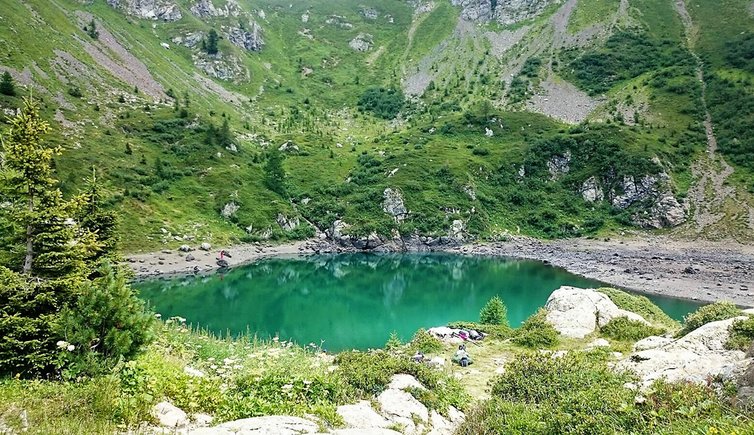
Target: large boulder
x=249 y=40
x=576 y=312
x=362 y=416
x=697 y=357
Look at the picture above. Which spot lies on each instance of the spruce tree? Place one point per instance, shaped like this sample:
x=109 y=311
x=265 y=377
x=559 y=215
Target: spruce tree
x=92 y=30
x=7 y=85
x=95 y=219
x=225 y=136
x=211 y=44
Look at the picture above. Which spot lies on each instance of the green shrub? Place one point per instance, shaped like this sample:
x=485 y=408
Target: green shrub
x=623 y=328
x=536 y=332
x=741 y=334
x=425 y=342
x=494 y=312
x=639 y=305
x=497 y=416
x=393 y=342
x=708 y=313
x=107 y=323
x=384 y=103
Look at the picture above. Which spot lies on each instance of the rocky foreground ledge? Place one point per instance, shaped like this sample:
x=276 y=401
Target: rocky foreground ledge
x=704 y=271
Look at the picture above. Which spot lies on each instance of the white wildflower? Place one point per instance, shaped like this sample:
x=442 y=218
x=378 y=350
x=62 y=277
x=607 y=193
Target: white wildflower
x=71 y=348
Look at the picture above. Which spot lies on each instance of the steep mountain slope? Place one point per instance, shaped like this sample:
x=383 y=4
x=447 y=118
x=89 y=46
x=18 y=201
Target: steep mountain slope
x=551 y=118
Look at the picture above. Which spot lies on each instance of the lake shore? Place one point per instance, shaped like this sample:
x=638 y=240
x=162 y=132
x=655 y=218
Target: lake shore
x=697 y=270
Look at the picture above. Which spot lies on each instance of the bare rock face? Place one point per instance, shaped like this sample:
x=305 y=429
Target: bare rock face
x=362 y=42
x=576 y=312
x=559 y=165
x=222 y=67
x=502 y=11
x=169 y=415
x=697 y=357
x=393 y=204
x=250 y=40
x=591 y=190
x=267 y=425
x=207 y=9
x=287 y=224
x=166 y=10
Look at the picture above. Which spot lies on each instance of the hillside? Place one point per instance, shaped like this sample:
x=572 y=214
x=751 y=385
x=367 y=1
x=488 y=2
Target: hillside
x=391 y=120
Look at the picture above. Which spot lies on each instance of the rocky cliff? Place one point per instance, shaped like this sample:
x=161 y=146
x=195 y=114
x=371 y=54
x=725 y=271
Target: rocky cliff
x=502 y=11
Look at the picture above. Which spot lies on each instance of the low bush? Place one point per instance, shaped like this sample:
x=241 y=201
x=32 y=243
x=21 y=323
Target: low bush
x=741 y=334
x=623 y=328
x=536 y=332
x=708 y=313
x=425 y=342
x=639 y=305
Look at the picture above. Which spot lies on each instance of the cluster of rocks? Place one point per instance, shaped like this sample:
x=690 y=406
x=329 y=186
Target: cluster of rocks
x=207 y=9
x=166 y=10
x=396 y=408
x=362 y=42
x=699 y=357
x=502 y=11
x=248 y=39
x=222 y=67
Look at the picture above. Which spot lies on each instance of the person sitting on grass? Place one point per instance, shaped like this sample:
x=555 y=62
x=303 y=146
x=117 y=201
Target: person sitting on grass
x=461 y=357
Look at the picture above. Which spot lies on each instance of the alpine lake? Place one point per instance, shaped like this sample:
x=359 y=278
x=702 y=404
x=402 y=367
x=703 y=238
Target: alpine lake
x=355 y=301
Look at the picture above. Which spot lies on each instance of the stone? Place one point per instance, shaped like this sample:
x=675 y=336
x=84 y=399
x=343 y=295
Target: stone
x=287 y=224
x=249 y=40
x=559 y=165
x=576 y=313
x=697 y=357
x=267 y=425
x=369 y=13
x=651 y=343
x=229 y=210
x=365 y=431
x=393 y=204
x=600 y=342
x=202 y=419
x=169 y=415
x=403 y=381
x=185 y=248
x=166 y=10
x=362 y=42
x=190 y=257
x=205 y=246
x=361 y=415
x=402 y=408
x=591 y=190
x=437 y=362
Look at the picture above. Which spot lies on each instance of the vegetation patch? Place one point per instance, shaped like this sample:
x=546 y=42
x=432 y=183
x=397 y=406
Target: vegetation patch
x=623 y=328
x=536 y=332
x=741 y=334
x=640 y=305
x=707 y=314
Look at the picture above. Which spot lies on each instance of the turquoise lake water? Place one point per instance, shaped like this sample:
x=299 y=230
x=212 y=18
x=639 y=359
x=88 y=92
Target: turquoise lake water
x=356 y=300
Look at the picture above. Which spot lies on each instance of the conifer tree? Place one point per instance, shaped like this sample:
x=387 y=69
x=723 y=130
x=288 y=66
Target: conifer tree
x=211 y=45
x=93 y=218
x=7 y=85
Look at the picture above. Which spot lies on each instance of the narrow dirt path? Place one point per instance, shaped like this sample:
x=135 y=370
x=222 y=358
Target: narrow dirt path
x=719 y=211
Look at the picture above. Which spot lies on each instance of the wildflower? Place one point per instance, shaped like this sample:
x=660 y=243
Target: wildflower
x=287 y=387
x=71 y=348
x=158 y=315
x=213 y=367
x=62 y=344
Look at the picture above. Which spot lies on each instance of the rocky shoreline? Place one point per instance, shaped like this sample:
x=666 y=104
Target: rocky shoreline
x=697 y=270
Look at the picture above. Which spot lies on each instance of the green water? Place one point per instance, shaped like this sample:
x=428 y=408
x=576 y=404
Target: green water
x=357 y=300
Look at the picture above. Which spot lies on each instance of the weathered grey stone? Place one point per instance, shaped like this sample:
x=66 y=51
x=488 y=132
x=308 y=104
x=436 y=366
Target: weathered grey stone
x=559 y=165
x=393 y=204
x=268 y=425
x=250 y=40
x=576 y=312
x=287 y=224
x=205 y=246
x=169 y=415
x=591 y=190
x=361 y=415
x=166 y=10
x=362 y=42
x=230 y=209
x=651 y=343
x=697 y=357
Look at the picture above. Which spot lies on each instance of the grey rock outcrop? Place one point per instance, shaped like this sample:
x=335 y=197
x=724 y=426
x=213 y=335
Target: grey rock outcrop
x=287 y=224
x=576 y=312
x=229 y=209
x=559 y=165
x=267 y=425
x=696 y=357
x=362 y=416
x=207 y=9
x=250 y=40
x=392 y=204
x=190 y=40
x=362 y=42
x=165 y=10
x=222 y=67
x=591 y=190
x=502 y=11
x=369 y=13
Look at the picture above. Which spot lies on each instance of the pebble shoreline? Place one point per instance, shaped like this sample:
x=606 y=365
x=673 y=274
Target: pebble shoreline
x=702 y=271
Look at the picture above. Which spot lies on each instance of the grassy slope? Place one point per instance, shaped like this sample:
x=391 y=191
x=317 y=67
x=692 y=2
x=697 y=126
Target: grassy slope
x=316 y=112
